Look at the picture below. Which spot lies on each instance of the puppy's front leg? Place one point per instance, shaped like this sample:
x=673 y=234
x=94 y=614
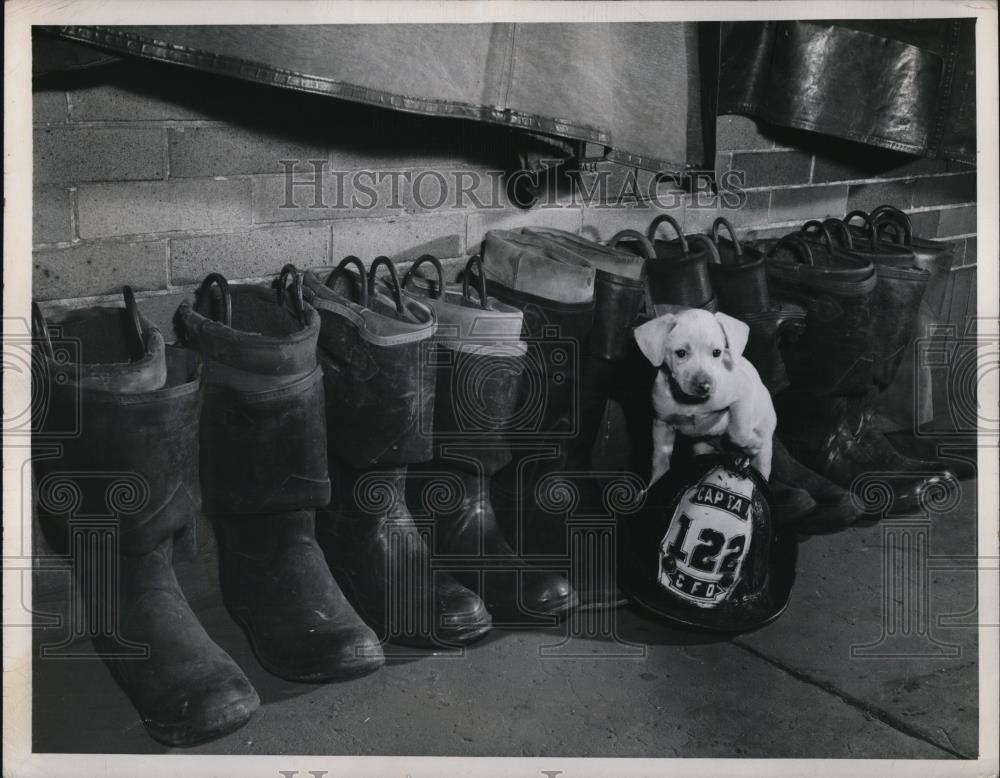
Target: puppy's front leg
x=663 y=449
x=762 y=460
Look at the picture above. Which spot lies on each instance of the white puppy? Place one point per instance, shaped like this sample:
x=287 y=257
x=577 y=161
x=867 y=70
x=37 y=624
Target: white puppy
x=705 y=388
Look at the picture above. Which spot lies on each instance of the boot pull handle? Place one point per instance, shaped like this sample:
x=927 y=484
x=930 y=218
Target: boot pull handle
x=289 y=271
x=138 y=340
x=395 y=288
x=722 y=221
x=893 y=215
x=644 y=243
x=201 y=298
x=802 y=248
x=666 y=217
x=889 y=215
x=898 y=232
x=359 y=283
x=475 y=261
x=40 y=330
x=817 y=228
x=872 y=237
x=846 y=239
x=437 y=266
x=713 y=250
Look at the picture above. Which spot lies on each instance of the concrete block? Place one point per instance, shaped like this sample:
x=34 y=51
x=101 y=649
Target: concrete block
x=810 y=202
x=51 y=215
x=119 y=100
x=163 y=206
x=773 y=168
x=870 y=196
x=98 y=268
x=253 y=254
x=862 y=163
x=957 y=221
x=943 y=190
x=739 y=133
x=400 y=239
x=72 y=154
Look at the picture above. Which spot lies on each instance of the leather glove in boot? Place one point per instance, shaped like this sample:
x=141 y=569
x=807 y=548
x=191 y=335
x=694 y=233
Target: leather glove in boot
x=133 y=405
x=478 y=362
x=263 y=448
x=822 y=418
x=379 y=384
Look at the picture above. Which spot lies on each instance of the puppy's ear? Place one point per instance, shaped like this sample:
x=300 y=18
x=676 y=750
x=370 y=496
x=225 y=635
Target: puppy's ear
x=737 y=333
x=652 y=337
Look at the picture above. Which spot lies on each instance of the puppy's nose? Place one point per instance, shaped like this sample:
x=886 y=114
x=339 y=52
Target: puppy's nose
x=704 y=388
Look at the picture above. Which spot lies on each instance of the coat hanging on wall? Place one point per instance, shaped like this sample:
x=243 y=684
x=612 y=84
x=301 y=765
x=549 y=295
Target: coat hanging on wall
x=632 y=88
x=907 y=85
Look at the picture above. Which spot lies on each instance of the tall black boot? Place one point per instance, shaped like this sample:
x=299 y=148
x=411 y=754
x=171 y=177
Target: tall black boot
x=554 y=288
x=134 y=403
x=740 y=283
x=478 y=364
x=823 y=418
x=263 y=447
x=375 y=348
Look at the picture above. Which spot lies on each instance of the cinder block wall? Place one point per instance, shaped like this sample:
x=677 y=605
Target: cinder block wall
x=155 y=175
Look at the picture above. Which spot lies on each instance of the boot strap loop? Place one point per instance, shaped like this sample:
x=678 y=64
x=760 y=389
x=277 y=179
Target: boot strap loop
x=722 y=221
x=201 y=298
x=395 y=288
x=816 y=227
x=480 y=280
x=890 y=214
x=435 y=295
x=40 y=330
x=644 y=243
x=359 y=284
x=666 y=217
x=872 y=237
x=137 y=339
x=802 y=248
x=713 y=250
x=899 y=232
x=281 y=284
x=847 y=240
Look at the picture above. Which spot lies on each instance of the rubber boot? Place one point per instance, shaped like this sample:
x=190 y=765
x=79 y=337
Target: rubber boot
x=899 y=295
x=132 y=405
x=740 y=283
x=554 y=288
x=263 y=474
x=824 y=418
x=605 y=385
x=478 y=364
x=907 y=404
x=375 y=346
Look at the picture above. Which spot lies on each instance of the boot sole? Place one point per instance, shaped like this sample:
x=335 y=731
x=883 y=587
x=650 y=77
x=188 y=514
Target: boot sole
x=210 y=725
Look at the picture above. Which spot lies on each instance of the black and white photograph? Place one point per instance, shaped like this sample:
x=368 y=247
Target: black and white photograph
x=500 y=388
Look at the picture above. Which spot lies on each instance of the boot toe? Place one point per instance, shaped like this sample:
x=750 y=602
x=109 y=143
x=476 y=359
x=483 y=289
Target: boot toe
x=223 y=704
x=547 y=593
x=463 y=615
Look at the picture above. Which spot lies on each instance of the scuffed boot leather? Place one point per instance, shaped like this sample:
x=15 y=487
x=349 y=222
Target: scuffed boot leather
x=135 y=456
x=478 y=365
x=379 y=386
x=263 y=448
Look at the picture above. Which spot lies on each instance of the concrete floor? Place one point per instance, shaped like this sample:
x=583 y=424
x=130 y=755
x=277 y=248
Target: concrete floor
x=791 y=689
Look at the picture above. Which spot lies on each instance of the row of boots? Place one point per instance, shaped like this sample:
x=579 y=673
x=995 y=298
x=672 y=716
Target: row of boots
x=388 y=459
x=290 y=416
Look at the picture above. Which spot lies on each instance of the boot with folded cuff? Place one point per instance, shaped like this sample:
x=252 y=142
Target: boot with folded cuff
x=134 y=404
x=379 y=385
x=264 y=473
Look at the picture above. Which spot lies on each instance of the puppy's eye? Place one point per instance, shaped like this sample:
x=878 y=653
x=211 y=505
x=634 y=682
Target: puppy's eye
x=681 y=353
x=716 y=352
